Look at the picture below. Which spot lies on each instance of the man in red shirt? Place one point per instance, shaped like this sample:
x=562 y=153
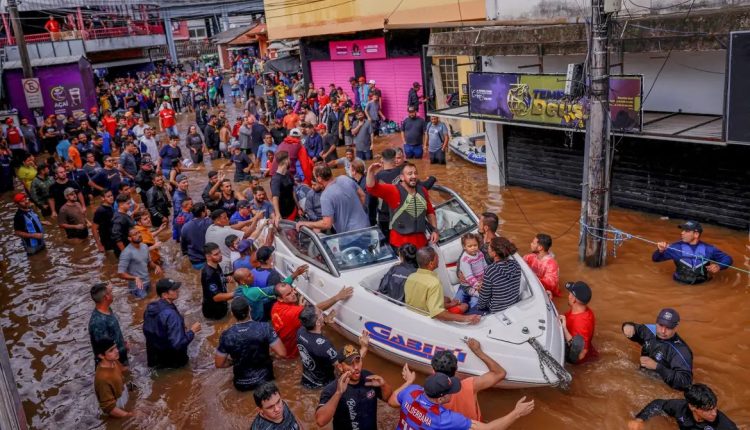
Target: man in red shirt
x=53 y=27
x=412 y=213
x=167 y=121
x=285 y=314
x=110 y=123
x=578 y=324
x=543 y=263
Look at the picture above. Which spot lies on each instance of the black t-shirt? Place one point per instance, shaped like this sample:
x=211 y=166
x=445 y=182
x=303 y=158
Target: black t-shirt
x=288 y=422
x=103 y=218
x=213 y=283
x=121 y=225
x=109 y=179
x=57 y=190
x=248 y=344
x=318 y=356
x=329 y=140
x=387 y=177
x=358 y=406
x=282 y=186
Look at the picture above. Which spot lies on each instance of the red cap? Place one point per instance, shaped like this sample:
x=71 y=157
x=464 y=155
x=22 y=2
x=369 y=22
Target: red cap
x=18 y=198
x=321 y=127
x=93 y=109
x=9 y=120
x=362 y=79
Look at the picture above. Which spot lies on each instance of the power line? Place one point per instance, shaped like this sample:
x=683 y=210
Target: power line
x=311 y=10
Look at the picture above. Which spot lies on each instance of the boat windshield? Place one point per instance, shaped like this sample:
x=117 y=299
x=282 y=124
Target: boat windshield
x=356 y=249
x=453 y=220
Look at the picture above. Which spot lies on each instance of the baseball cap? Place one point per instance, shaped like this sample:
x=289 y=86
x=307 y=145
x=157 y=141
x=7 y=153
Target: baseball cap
x=244 y=245
x=166 y=284
x=19 y=197
x=580 y=291
x=361 y=79
x=243 y=204
x=691 y=226
x=264 y=253
x=668 y=317
x=372 y=81
x=295 y=132
x=235 y=145
x=212 y=173
x=440 y=384
x=181 y=177
x=348 y=353
x=321 y=127
x=146 y=161
x=68 y=191
x=416 y=84
x=411 y=109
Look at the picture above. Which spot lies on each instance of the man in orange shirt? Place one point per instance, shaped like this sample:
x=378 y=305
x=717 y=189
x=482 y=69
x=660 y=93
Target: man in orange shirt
x=291 y=119
x=285 y=314
x=73 y=154
x=465 y=401
x=543 y=263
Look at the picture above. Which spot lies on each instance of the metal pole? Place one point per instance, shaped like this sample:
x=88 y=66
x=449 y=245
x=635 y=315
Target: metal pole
x=596 y=188
x=20 y=41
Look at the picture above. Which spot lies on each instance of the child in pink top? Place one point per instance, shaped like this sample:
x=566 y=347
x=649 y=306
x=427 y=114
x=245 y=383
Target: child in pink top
x=472 y=265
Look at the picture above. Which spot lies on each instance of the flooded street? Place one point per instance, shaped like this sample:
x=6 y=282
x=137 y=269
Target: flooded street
x=45 y=307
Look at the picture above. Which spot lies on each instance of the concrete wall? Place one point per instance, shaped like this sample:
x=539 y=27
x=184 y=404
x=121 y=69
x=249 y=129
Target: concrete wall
x=575 y=10
x=691 y=81
x=115 y=43
x=63 y=48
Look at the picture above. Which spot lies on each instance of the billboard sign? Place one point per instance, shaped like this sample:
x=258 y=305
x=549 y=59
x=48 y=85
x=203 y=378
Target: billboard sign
x=362 y=49
x=541 y=99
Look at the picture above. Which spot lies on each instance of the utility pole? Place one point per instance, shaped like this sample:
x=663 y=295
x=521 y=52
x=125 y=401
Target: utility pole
x=595 y=199
x=20 y=41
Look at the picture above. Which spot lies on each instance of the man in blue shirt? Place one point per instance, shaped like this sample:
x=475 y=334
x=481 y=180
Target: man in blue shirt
x=422 y=407
x=695 y=261
x=193 y=236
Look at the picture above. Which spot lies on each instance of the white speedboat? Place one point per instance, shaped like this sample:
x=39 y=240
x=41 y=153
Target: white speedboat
x=526 y=339
x=466 y=147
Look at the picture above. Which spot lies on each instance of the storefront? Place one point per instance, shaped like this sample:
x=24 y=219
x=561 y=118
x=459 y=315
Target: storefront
x=393 y=62
x=66 y=85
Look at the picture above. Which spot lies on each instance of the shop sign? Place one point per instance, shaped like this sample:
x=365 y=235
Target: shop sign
x=541 y=99
x=362 y=49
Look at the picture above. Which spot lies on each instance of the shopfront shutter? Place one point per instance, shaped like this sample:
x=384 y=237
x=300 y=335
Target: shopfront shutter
x=395 y=77
x=337 y=72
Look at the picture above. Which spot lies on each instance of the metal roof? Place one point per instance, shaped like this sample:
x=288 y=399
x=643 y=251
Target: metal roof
x=43 y=62
x=231 y=34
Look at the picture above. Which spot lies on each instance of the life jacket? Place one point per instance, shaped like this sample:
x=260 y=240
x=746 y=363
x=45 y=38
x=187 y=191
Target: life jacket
x=410 y=217
x=13 y=134
x=691 y=267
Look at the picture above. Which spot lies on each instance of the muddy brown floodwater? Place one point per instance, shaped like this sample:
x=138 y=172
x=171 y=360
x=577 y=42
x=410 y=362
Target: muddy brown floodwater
x=45 y=307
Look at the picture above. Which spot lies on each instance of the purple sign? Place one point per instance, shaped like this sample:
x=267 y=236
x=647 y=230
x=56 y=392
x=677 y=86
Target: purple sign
x=488 y=94
x=67 y=89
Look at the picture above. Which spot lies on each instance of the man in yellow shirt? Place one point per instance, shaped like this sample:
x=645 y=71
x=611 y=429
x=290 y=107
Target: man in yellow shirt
x=424 y=292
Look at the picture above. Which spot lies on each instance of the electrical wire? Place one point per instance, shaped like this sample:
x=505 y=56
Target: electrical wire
x=393 y=11
x=311 y=10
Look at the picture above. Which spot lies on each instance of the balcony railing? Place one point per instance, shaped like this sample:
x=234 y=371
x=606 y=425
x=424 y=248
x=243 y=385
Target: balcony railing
x=136 y=29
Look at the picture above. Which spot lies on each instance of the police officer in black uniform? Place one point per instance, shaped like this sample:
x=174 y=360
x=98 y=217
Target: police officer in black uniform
x=663 y=350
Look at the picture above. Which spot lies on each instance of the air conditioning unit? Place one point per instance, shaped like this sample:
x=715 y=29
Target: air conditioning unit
x=612 y=6
x=574 y=80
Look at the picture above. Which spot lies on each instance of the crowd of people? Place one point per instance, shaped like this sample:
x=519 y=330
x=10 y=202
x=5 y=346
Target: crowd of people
x=287 y=141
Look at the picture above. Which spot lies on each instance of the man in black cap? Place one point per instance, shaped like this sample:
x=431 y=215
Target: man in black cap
x=412 y=134
x=662 y=349
x=422 y=407
x=167 y=338
x=246 y=347
x=695 y=261
x=578 y=324
x=351 y=402
x=211 y=203
x=697 y=412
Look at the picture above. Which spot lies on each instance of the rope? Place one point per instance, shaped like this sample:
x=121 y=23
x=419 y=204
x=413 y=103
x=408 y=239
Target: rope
x=547 y=360
x=619 y=237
